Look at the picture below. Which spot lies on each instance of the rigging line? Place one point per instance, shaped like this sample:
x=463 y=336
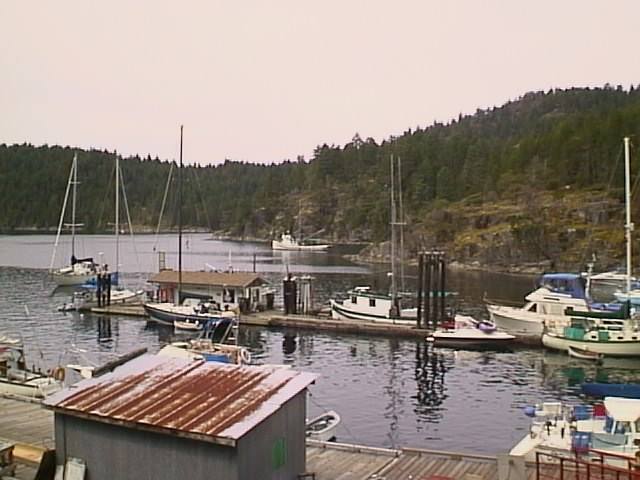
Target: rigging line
x=130 y=225
x=64 y=208
x=164 y=203
x=201 y=195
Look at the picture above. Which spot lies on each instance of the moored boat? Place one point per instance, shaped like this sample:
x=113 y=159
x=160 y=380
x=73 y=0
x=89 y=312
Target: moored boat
x=288 y=241
x=607 y=333
x=582 y=354
x=323 y=427
x=17 y=379
x=465 y=331
x=558 y=428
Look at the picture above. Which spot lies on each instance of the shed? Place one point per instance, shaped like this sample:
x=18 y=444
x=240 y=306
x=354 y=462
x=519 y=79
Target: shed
x=167 y=418
x=245 y=291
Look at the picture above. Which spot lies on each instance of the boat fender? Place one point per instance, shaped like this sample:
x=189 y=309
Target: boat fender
x=58 y=373
x=529 y=411
x=245 y=356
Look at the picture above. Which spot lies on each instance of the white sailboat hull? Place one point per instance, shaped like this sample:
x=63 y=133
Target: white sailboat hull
x=614 y=348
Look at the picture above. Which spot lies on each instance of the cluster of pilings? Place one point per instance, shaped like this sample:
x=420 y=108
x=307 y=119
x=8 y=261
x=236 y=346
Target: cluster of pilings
x=431 y=289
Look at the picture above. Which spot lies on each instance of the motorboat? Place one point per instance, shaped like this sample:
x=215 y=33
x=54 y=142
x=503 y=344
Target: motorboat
x=323 y=427
x=17 y=379
x=546 y=305
x=465 y=331
x=559 y=428
x=287 y=241
x=191 y=314
x=216 y=342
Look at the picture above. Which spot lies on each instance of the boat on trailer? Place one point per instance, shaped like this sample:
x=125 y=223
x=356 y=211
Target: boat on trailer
x=323 y=427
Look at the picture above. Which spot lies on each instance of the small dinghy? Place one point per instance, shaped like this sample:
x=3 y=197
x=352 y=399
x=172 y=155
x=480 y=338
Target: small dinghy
x=583 y=354
x=465 y=331
x=323 y=427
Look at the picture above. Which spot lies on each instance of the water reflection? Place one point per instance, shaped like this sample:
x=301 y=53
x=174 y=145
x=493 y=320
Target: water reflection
x=430 y=370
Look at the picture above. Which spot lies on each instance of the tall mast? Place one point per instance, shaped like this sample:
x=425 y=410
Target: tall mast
x=117 y=213
x=394 y=286
x=628 y=227
x=73 y=205
x=180 y=218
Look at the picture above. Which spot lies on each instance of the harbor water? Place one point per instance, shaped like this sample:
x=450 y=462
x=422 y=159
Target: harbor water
x=390 y=392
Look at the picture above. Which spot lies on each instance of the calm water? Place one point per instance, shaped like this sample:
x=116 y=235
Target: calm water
x=390 y=393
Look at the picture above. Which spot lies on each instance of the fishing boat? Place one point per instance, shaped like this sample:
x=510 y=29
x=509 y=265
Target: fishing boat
x=80 y=270
x=287 y=241
x=559 y=428
x=17 y=379
x=365 y=303
x=323 y=427
x=583 y=354
x=465 y=331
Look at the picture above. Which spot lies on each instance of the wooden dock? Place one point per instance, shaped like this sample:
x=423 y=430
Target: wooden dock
x=277 y=319
x=30 y=427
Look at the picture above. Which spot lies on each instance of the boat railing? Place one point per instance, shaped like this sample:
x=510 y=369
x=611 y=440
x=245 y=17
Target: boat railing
x=593 y=464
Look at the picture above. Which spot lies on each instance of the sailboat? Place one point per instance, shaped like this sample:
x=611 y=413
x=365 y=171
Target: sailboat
x=101 y=293
x=628 y=294
x=183 y=313
x=362 y=302
x=80 y=270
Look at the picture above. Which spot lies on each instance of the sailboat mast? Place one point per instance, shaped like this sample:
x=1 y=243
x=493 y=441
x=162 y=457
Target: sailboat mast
x=394 y=286
x=117 y=213
x=628 y=225
x=180 y=219
x=73 y=205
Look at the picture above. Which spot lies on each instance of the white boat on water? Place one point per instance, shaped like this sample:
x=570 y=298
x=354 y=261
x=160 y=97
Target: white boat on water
x=465 y=331
x=615 y=334
x=288 y=241
x=323 y=427
x=80 y=270
x=564 y=429
x=583 y=354
x=17 y=379
x=545 y=305
x=362 y=303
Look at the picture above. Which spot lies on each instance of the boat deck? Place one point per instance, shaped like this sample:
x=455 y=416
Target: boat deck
x=30 y=427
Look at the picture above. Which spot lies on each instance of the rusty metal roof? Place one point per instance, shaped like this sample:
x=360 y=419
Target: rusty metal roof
x=209 y=401
x=231 y=279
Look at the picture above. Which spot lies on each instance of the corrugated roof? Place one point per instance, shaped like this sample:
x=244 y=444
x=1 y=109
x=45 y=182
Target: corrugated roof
x=231 y=279
x=210 y=401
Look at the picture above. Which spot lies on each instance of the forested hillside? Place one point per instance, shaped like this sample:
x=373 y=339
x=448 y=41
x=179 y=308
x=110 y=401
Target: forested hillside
x=536 y=180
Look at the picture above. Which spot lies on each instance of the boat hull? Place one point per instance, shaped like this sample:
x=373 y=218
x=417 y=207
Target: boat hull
x=340 y=312
x=625 y=390
x=323 y=428
x=35 y=387
x=476 y=339
x=618 y=348
x=515 y=321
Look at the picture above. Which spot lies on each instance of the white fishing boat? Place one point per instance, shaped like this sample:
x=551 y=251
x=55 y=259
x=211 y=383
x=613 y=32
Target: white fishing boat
x=465 y=331
x=17 y=379
x=79 y=270
x=287 y=241
x=559 y=428
x=323 y=427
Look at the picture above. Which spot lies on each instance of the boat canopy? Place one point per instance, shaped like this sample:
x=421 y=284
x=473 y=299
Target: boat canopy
x=566 y=283
x=623 y=409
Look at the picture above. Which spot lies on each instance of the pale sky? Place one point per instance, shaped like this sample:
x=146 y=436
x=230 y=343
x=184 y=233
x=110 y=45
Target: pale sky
x=265 y=81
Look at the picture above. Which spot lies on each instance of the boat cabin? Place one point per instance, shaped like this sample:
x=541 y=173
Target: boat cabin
x=244 y=291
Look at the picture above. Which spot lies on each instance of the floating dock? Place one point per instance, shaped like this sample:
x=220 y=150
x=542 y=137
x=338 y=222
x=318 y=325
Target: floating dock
x=29 y=426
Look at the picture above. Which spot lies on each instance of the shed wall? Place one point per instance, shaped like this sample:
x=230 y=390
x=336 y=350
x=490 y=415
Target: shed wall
x=112 y=451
